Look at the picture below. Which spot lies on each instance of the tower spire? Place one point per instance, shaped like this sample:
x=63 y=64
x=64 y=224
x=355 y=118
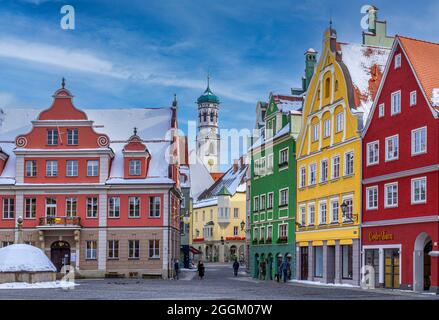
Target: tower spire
x=63 y=82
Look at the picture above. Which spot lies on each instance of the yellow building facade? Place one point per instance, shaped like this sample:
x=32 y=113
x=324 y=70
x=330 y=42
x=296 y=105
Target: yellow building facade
x=329 y=161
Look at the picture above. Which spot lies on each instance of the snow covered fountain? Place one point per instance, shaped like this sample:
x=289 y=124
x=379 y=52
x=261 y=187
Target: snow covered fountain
x=25 y=263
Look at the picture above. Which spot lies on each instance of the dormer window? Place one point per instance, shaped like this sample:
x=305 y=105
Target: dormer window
x=72 y=136
x=135 y=167
x=52 y=137
x=398 y=61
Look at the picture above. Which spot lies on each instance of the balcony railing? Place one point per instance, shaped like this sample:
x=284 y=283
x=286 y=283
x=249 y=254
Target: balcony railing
x=60 y=222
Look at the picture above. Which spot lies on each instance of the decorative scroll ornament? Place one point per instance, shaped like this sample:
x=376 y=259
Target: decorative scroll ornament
x=21 y=142
x=103 y=141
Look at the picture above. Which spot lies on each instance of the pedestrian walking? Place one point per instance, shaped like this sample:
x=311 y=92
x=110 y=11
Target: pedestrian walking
x=177 y=268
x=285 y=269
x=201 y=269
x=235 y=267
x=279 y=271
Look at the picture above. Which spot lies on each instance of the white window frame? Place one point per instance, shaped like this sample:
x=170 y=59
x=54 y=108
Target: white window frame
x=310 y=174
x=311 y=222
x=373 y=189
x=332 y=201
x=398 y=61
x=324 y=179
x=283 y=159
x=270 y=164
x=92 y=168
x=386 y=205
x=413 y=98
x=345 y=216
x=315 y=132
x=31 y=168
x=381 y=110
x=270 y=195
x=132 y=201
x=334 y=165
x=72 y=139
x=280 y=234
x=50 y=206
x=92 y=204
x=263 y=202
x=256 y=204
x=280 y=197
x=135 y=167
x=327 y=128
x=339 y=122
x=91 y=250
x=376 y=159
x=72 y=168
x=323 y=219
x=113 y=204
x=393 y=158
x=413 y=200
x=30 y=208
x=302 y=177
x=51 y=168
x=52 y=137
x=346 y=163
x=302 y=214
x=71 y=207
x=392 y=103
x=8 y=208
x=413 y=142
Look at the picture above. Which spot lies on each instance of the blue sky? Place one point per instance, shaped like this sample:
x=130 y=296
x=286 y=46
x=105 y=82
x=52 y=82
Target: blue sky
x=139 y=53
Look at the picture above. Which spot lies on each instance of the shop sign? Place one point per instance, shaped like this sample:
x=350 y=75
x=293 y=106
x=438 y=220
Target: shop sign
x=380 y=236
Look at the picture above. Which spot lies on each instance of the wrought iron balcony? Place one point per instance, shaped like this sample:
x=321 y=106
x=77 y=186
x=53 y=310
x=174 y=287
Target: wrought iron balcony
x=59 y=223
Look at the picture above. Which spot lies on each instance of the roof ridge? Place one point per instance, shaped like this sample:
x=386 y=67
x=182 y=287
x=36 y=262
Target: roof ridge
x=418 y=40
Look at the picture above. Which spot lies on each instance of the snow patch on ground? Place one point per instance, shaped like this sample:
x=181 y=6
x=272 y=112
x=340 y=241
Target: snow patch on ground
x=38 y=285
x=314 y=283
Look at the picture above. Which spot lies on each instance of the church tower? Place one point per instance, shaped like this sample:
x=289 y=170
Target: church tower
x=208 y=138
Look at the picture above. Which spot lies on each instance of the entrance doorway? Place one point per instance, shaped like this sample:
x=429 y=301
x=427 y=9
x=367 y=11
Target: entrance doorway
x=391 y=269
x=304 y=263
x=372 y=259
x=422 y=262
x=60 y=254
x=427 y=265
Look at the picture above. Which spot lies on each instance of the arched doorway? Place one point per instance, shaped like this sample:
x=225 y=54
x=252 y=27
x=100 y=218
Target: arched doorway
x=422 y=263
x=60 y=254
x=233 y=251
x=270 y=266
x=256 y=274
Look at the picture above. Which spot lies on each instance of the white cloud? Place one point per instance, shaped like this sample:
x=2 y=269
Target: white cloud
x=6 y=99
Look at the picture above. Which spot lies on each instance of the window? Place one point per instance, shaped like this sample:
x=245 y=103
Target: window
x=92 y=207
x=373 y=153
x=52 y=137
x=396 y=103
x=134 y=167
x=255 y=234
x=133 y=249
x=72 y=168
x=336 y=167
x=269 y=232
x=324 y=171
x=50 y=207
x=312 y=214
x=327 y=128
x=315 y=132
x=372 y=198
x=51 y=168
x=322 y=213
x=270 y=164
x=312 y=174
x=283 y=159
x=154 y=207
x=114 y=207
x=134 y=207
x=235 y=213
x=263 y=202
x=31 y=168
x=413 y=98
x=92 y=168
x=302 y=215
x=348 y=215
x=71 y=207
x=8 y=208
x=154 y=249
x=392 y=147
x=270 y=201
x=349 y=163
x=256 y=204
x=334 y=211
x=283 y=231
x=91 y=252
x=113 y=249
x=283 y=198
x=419 y=190
x=419 y=141
x=391 y=195
x=30 y=208
x=318 y=262
x=381 y=110
x=235 y=231
x=398 y=61
x=347 y=261
x=302 y=182
x=72 y=136
x=339 y=122
x=327 y=87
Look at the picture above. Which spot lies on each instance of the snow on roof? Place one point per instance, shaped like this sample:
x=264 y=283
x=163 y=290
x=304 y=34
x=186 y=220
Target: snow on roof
x=8 y=174
x=435 y=97
x=285 y=130
x=287 y=103
x=24 y=258
x=365 y=64
x=184 y=170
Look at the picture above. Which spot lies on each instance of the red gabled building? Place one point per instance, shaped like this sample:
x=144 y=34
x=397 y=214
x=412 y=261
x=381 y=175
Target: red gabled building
x=400 y=220
x=97 y=189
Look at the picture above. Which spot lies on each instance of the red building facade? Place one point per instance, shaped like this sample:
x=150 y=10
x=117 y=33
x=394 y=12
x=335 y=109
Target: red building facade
x=94 y=195
x=400 y=229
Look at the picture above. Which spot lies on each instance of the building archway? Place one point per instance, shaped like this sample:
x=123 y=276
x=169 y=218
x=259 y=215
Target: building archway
x=422 y=263
x=60 y=254
x=270 y=266
x=233 y=252
x=256 y=274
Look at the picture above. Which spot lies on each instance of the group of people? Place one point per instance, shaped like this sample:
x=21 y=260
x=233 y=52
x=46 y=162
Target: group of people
x=200 y=269
x=283 y=270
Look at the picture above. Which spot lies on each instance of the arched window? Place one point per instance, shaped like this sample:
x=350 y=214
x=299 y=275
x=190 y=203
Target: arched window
x=327 y=87
x=205 y=116
x=336 y=85
x=212 y=116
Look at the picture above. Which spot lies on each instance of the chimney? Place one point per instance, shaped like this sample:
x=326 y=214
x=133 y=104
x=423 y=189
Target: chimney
x=235 y=165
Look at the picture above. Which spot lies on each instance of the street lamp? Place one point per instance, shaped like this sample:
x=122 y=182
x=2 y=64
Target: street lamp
x=344 y=209
x=242 y=225
x=222 y=240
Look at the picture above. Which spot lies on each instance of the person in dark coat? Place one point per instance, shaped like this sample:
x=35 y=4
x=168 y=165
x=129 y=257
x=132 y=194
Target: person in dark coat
x=235 y=267
x=285 y=269
x=201 y=270
x=177 y=268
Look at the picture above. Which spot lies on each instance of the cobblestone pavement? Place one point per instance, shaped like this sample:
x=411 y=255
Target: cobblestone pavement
x=219 y=283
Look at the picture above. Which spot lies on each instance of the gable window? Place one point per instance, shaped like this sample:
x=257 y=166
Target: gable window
x=51 y=168
x=92 y=168
x=8 y=208
x=398 y=61
x=419 y=141
x=302 y=215
x=51 y=207
x=349 y=163
x=154 y=207
x=134 y=207
x=134 y=167
x=413 y=98
x=91 y=250
x=302 y=182
x=372 y=153
x=315 y=132
x=92 y=207
x=336 y=167
x=339 y=122
x=114 y=207
x=327 y=128
x=72 y=136
x=72 y=168
x=392 y=146
x=113 y=249
x=372 y=198
x=270 y=200
x=312 y=214
x=283 y=199
x=396 y=103
x=71 y=207
x=312 y=174
x=30 y=208
x=31 y=168
x=419 y=190
x=381 y=110
x=324 y=171
x=334 y=211
x=327 y=87
x=391 y=195
x=52 y=137
x=322 y=213
x=133 y=249
x=154 y=249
